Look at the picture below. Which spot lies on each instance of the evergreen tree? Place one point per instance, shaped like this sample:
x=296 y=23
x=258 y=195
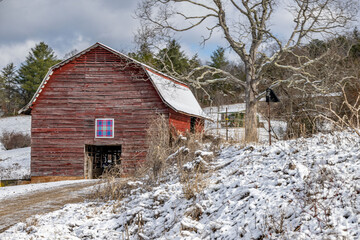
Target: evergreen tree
x=355 y=49
x=221 y=92
x=218 y=59
x=170 y=60
x=144 y=55
x=317 y=47
x=31 y=73
x=174 y=61
x=9 y=89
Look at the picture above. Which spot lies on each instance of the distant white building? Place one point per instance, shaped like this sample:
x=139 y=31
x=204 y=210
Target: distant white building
x=233 y=116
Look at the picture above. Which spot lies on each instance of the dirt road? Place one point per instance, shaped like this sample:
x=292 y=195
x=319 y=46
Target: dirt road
x=19 y=208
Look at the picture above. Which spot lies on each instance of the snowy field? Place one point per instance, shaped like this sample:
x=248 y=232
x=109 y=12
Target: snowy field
x=214 y=127
x=16 y=124
x=298 y=189
x=238 y=134
x=15 y=163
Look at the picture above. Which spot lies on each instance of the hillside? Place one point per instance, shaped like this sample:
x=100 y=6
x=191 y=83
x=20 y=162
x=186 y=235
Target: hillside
x=299 y=189
x=15 y=163
x=16 y=124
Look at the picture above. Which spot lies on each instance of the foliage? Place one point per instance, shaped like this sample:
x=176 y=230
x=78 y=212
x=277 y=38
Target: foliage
x=32 y=72
x=9 y=89
x=170 y=59
x=144 y=55
x=218 y=59
x=222 y=92
x=355 y=49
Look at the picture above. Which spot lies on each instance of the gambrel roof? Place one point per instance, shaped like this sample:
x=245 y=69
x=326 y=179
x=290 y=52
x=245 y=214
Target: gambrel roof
x=175 y=94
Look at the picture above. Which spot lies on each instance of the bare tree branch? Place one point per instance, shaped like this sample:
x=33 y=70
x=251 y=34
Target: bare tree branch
x=310 y=17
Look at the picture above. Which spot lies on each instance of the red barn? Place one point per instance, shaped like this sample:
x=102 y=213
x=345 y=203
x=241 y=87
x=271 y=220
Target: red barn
x=93 y=109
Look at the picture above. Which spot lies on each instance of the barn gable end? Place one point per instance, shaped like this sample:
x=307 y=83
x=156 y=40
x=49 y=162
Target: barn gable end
x=96 y=84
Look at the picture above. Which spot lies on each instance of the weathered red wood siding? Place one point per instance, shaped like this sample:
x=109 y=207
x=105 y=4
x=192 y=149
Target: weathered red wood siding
x=98 y=84
x=180 y=121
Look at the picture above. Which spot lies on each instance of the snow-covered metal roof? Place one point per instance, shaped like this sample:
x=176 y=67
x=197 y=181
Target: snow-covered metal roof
x=237 y=107
x=175 y=94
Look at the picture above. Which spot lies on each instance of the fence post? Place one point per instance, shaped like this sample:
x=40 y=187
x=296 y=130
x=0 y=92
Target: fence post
x=226 y=124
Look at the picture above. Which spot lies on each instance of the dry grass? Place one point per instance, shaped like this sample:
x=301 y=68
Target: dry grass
x=166 y=156
x=167 y=149
x=12 y=140
x=192 y=184
x=169 y=153
x=159 y=146
x=112 y=188
x=30 y=223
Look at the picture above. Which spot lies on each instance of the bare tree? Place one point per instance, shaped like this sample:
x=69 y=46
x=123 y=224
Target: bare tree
x=304 y=98
x=246 y=26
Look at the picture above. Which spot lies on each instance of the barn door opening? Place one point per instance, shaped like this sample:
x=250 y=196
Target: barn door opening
x=192 y=124
x=98 y=159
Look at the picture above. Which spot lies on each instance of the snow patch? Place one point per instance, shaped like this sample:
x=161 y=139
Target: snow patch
x=297 y=189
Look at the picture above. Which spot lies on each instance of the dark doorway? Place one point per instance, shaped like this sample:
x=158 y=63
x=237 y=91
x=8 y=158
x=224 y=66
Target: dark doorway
x=100 y=158
x=192 y=124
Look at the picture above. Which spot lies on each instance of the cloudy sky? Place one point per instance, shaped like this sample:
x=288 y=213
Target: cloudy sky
x=66 y=25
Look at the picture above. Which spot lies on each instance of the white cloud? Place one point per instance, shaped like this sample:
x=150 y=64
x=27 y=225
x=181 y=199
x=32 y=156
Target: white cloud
x=67 y=24
x=64 y=25
x=15 y=52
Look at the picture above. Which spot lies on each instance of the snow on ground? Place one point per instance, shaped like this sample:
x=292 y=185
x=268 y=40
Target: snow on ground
x=16 y=124
x=298 y=189
x=15 y=164
x=14 y=191
x=237 y=133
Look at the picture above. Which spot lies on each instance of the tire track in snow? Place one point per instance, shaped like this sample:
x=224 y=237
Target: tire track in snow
x=21 y=207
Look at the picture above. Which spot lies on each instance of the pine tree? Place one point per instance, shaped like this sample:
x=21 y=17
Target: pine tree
x=174 y=61
x=355 y=49
x=31 y=73
x=222 y=92
x=144 y=55
x=9 y=89
x=218 y=59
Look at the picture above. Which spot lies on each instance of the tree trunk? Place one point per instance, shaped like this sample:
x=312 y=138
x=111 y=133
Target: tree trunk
x=251 y=133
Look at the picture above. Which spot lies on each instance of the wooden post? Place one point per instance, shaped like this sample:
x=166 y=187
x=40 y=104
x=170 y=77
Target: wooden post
x=217 y=121
x=90 y=168
x=226 y=124
x=269 y=123
x=89 y=163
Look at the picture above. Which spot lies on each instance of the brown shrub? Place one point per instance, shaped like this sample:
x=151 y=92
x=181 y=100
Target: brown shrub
x=112 y=188
x=158 y=141
x=166 y=155
x=12 y=140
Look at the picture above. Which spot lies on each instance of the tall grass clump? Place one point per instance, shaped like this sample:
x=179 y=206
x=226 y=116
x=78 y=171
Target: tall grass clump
x=159 y=146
